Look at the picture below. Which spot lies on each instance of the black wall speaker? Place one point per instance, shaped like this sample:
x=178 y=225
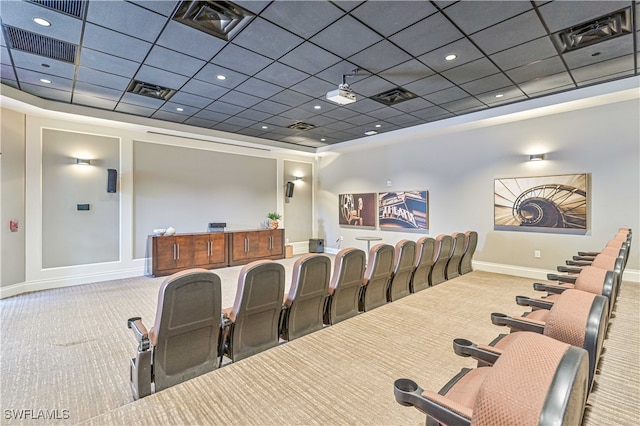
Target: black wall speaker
x=112 y=180
x=288 y=192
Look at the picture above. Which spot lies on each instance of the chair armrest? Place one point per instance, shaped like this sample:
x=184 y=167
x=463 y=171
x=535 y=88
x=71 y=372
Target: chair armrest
x=588 y=253
x=577 y=263
x=466 y=348
x=534 y=303
x=569 y=270
x=550 y=288
x=562 y=278
x=140 y=332
x=442 y=409
x=517 y=323
x=585 y=258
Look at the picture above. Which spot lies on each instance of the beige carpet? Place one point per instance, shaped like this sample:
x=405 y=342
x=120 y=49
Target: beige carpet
x=68 y=349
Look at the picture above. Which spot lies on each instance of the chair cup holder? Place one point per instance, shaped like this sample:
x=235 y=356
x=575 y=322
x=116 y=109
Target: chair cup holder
x=461 y=347
x=498 y=319
x=406 y=391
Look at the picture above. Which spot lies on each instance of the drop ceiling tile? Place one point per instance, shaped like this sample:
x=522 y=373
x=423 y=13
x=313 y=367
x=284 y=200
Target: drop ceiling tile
x=334 y=73
x=559 y=15
x=253 y=37
x=200 y=122
x=113 y=43
x=291 y=98
x=160 y=77
x=126 y=18
x=226 y=127
x=463 y=104
x=241 y=60
x=225 y=108
x=35 y=63
x=33 y=78
x=135 y=109
x=406 y=72
x=522 y=28
x=340 y=113
x=94 y=101
x=446 y=95
x=210 y=72
x=613 y=68
x=173 y=105
x=426 y=35
x=502 y=101
x=6 y=73
x=359 y=37
x=361 y=120
x=599 y=52
x=313 y=86
x=20 y=14
x=556 y=82
x=535 y=70
x=321 y=121
x=87 y=89
x=140 y=100
x=160 y=57
x=240 y=99
x=324 y=106
x=404 y=120
x=169 y=116
x=254 y=6
x=379 y=57
x=46 y=92
x=309 y=58
x=439 y=117
x=475 y=16
x=388 y=19
x=412 y=105
x=103 y=79
x=182 y=38
x=364 y=106
x=428 y=85
x=94 y=59
x=195 y=101
x=259 y=88
x=248 y=131
x=297 y=114
x=523 y=54
x=207 y=90
x=278 y=121
x=304 y=18
x=508 y=94
x=471 y=71
x=282 y=75
x=163 y=7
x=371 y=86
x=384 y=113
x=270 y=107
x=211 y=116
x=463 y=49
x=339 y=125
x=239 y=121
x=486 y=84
x=431 y=112
x=252 y=114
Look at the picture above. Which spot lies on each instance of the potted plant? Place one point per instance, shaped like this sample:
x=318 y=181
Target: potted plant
x=273 y=220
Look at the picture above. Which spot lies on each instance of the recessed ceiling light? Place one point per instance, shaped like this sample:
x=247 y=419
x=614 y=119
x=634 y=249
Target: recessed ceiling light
x=499 y=95
x=42 y=21
x=317 y=107
x=221 y=77
x=370 y=132
x=378 y=125
x=450 y=57
x=179 y=109
x=265 y=127
x=322 y=140
x=44 y=80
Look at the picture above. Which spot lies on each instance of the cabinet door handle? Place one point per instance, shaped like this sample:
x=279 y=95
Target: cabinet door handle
x=270 y=243
x=174 y=252
x=178 y=251
x=208 y=248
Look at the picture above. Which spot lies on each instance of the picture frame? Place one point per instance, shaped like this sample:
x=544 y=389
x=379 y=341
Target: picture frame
x=357 y=210
x=403 y=211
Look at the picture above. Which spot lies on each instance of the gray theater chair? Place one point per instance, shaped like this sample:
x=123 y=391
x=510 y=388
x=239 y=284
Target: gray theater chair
x=576 y=317
x=400 y=283
x=440 y=258
x=303 y=306
x=470 y=245
x=422 y=266
x=457 y=250
x=345 y=285
x=376 y=277
x=536 y=381
x=183 y=342
x=251 y=324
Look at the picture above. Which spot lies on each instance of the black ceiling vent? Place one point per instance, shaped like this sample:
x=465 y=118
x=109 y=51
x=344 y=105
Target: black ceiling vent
x=222 y=19
x=70 y=7
x=394 y=96
x=150 y=90
x=37 y=44
x=301 y=125
x=595 y=31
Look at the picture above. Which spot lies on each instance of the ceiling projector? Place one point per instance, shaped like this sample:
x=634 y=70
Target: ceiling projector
x=343 y=95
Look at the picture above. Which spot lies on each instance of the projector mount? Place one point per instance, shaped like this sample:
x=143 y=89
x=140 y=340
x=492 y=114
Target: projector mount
x=344 y=95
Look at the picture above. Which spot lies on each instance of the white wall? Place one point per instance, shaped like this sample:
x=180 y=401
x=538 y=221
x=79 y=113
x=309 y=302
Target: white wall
x=298 y=210
x=458 y=169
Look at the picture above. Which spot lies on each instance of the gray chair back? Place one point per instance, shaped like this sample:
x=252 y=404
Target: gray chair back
x=344 y=288
x=440 y=259
x=400 y=284
x=424 y=261
x=376 y=277
x=470 y=244
x=453 y=265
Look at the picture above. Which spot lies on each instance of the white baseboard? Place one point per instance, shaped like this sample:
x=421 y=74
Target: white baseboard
x=631 y=275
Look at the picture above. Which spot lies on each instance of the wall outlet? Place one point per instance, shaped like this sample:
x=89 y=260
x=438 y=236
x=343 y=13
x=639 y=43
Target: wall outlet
x=388 y=184
x=536 y=254
x=341 y=238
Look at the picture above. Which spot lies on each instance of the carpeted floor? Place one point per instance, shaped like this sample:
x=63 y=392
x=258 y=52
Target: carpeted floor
x=68 y=350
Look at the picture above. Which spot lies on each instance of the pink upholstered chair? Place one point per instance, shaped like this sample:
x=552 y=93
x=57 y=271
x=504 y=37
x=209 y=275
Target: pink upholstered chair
x=184 y=340
x=303 y=306
x=345 y=285
x=400 y=283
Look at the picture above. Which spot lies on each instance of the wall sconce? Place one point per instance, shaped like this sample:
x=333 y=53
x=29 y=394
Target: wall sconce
x=536 y=157
x=297 y=179
x=288 y=191
x=83 y=162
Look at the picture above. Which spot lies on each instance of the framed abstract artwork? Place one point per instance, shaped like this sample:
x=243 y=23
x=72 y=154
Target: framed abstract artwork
x=357 y=210
x=544 y=203
x=403 y=210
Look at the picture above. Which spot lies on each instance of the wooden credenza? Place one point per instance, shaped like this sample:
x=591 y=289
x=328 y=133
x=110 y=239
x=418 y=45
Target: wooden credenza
x=213 y=250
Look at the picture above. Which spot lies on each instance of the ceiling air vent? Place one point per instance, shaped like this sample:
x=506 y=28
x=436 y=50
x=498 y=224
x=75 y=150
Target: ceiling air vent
x=222 y=19
x=70 y=7
x=595 y=31
x=150 y=90
x=393 y=96
x=300 y=125
x=37 y=44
